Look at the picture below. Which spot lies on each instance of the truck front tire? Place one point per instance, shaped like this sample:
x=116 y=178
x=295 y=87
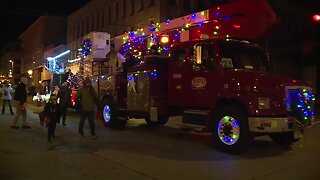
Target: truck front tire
x=230 y=131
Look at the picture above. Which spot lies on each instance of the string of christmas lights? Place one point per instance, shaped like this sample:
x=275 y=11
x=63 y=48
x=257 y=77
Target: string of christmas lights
x=304 y=105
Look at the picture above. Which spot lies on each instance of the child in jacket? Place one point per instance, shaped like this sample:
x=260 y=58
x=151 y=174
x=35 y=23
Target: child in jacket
x=52 y=115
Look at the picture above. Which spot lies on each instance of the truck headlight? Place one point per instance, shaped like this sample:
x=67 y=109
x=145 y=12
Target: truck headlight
x=264 y=103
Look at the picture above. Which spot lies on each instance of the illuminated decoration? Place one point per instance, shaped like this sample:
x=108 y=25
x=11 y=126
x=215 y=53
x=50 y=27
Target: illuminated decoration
x=74 y=80
x=74 y=60
x=136 y=42
x=305 y=103
x=164 y=39
x=302 y=105
x=30 y=72
x=107 y=114
x=236 y=26
x=58 y=56
x=154 y=74
x=218 y=22
x=41 y=98
x=55 y=65
x=316 y=18
x=86 y=47
x=228 y=130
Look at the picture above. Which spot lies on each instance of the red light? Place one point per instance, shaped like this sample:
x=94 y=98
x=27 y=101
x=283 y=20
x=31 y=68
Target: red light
x=316 y=18
x=236 y=26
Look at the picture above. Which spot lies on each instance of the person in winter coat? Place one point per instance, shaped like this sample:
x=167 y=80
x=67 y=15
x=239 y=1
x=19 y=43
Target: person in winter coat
x=87 y=98
x=6 y=97
x=52 y=114
x=20 y=98
x=64 y=102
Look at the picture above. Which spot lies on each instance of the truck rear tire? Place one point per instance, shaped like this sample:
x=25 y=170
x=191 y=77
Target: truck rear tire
x=230 y=131
x=110 y=114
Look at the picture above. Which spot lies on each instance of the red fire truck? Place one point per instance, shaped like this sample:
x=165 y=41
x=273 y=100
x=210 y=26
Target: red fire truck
x=212 y=78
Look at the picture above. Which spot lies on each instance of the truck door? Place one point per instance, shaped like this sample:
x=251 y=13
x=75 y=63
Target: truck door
x=176 y=83
x=202 y=77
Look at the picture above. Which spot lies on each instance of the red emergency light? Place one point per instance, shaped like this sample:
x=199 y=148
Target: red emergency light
x=316 y=18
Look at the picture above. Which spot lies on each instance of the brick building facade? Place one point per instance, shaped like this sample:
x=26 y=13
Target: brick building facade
x=46 y=31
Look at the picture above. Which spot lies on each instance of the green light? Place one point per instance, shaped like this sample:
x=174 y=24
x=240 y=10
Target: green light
x=215 y=33
x=226 y=119
x=234 y=136
x=304 y=90
x=202 y=13
x=309 y=107
x=305 y=118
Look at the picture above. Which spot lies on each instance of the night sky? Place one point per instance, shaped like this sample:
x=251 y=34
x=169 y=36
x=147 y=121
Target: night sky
x=18 y=15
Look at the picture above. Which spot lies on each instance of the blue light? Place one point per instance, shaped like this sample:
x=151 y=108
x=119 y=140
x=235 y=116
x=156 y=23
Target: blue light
x=167 y=21
x=193 y=16
x=227 y=17
x=154 y=74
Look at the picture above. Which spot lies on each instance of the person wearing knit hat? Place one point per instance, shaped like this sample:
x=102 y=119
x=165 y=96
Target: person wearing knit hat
x=20 y=98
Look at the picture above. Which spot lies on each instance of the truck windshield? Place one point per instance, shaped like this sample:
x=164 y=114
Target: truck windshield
x=237 y=55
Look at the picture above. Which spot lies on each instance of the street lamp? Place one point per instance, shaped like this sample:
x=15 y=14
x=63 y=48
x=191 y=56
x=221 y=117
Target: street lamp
x=11 y=70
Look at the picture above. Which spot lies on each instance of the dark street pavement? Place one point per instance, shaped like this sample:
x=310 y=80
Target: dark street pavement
x=139 y=152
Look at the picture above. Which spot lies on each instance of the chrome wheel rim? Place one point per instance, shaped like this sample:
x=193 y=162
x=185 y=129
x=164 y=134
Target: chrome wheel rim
x=228 y=130
x=106 y=113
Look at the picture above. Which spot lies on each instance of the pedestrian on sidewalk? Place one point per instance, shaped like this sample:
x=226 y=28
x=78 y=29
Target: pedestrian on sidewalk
x=20 y=98
x=64 y=102
x=52 y=114
x=6 y=96
x=86 y=97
